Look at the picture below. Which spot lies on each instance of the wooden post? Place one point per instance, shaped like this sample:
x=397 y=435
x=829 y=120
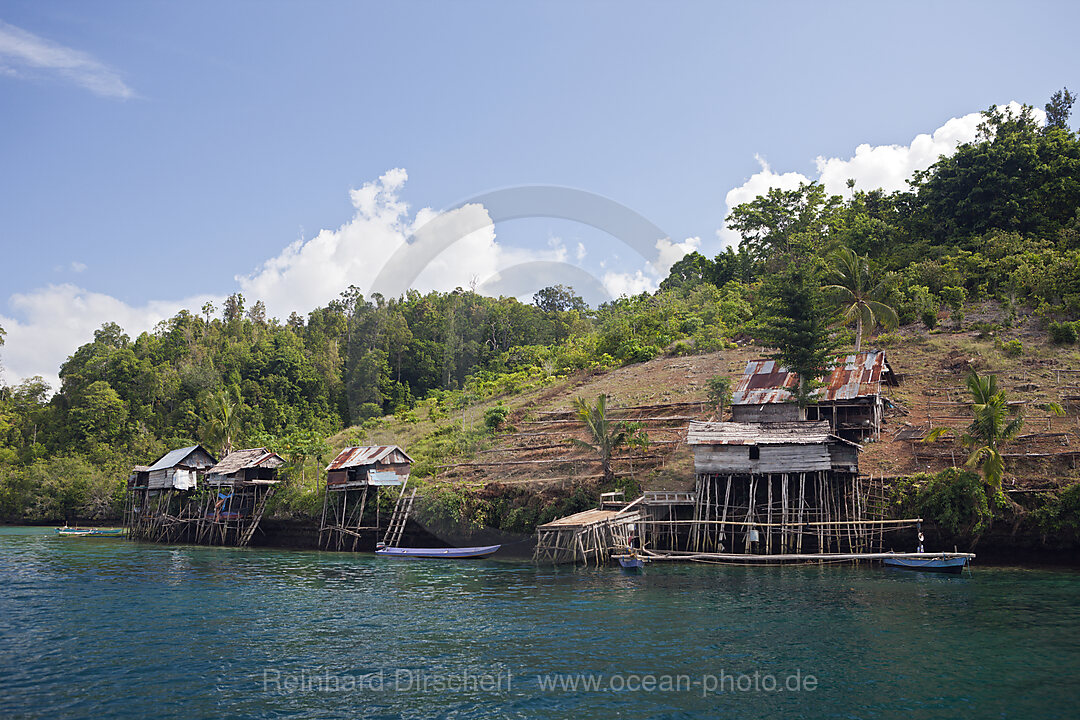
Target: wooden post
x=802 y=504
x=784 y=541
x=727 y=496
x=768 y=515
x=322 y=522
x=750 y=511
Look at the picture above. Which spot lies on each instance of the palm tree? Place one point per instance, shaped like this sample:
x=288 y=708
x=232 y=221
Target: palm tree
x=858 y=295
x=607 y=436
x=991 y=427
x=222 y=422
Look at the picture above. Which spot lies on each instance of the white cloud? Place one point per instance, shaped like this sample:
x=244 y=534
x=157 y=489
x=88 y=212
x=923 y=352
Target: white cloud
x=887 y=167
x=57 y=319
x=22 y=52
x=77 y=266
x=635 y=283
x=309 y=274
x=669 y=253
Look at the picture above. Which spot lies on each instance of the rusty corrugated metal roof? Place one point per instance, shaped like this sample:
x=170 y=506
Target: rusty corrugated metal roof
x=764 y=382
x=368 y=455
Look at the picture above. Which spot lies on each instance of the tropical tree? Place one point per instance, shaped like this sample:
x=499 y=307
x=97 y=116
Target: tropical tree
x=606 y=435
x=719 y=393
x=858 y=295
x=795 y=319
x=992 y=426
x=222 y=422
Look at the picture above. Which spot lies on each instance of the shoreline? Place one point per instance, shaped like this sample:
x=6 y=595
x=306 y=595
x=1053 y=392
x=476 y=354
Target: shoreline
x=298 y=535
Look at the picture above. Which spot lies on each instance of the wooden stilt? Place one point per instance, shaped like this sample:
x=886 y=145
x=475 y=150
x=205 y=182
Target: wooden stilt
x=768 y=515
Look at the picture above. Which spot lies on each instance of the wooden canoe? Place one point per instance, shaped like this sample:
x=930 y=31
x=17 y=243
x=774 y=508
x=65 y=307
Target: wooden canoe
x=464 y=553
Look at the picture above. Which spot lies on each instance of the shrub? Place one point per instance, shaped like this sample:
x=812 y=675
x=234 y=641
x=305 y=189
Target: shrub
x=929 y=318
x=1013 y=348
x=495 y=418
x=1061 y=516
x=954 y=499
x=1063 y=333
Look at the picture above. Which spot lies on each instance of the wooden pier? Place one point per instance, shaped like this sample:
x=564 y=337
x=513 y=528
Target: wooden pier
x=588 y=537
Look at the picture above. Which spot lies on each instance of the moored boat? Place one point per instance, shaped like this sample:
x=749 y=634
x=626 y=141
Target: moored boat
x=940 y=564
x=631 y=562
x=89 y=532
x=464 y=553
x=73 y=532
x=107 y=532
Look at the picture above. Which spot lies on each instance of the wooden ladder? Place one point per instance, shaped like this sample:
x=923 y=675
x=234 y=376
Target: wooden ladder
x=396 y=527
x=249 y=532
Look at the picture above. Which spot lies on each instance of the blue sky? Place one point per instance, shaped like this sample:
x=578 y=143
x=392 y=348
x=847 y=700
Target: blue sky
x=153 y=153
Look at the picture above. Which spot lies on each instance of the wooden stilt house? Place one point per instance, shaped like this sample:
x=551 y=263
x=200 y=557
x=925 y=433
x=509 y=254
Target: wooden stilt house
x=350 y=478
x=849 y=398
x=157 y=505
x=776 y=488
x=239 y=487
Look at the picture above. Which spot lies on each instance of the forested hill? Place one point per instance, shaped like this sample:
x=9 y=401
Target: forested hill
x=997 y=220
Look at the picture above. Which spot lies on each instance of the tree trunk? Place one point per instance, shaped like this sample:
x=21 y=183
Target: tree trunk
x=858 y=332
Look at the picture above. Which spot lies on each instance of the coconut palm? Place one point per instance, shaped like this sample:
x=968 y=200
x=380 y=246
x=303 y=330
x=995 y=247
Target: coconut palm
x=859 y=295
x=992 y=426
x=607 y=436
x=222 y=422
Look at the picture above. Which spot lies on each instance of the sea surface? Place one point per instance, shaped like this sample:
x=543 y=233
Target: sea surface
x=106 y=628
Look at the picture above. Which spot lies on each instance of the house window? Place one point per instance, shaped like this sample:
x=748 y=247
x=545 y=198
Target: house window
x=755 y=452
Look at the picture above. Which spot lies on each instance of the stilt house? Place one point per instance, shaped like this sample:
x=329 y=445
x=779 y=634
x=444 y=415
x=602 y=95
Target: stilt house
x=157 y=494
x=850 y=398
x=349 y=478
x=241 y=484
x=762 y=487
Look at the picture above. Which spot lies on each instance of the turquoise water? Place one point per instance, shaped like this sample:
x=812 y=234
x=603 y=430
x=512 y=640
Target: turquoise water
x=105 y=628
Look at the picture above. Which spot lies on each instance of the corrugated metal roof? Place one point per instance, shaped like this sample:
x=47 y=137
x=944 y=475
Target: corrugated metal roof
x=367 y=455
x=778 y=433
x=175 y=457
x=763 y=382
x=243 y=459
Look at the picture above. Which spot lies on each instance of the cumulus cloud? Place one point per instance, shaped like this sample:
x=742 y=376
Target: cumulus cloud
x=887 y=167
x=24 y=54
x=386 y=248
x=635 y=283
x=53 y=321
x=432 y=251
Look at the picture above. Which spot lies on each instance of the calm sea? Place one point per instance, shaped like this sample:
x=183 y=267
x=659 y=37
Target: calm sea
x=105 y=628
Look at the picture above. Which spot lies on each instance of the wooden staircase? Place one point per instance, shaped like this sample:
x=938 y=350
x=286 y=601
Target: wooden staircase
x=396 y=527
x=256 y=518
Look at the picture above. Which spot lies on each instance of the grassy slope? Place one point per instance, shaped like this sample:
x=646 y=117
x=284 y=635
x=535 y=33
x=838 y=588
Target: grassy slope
x=933 y=365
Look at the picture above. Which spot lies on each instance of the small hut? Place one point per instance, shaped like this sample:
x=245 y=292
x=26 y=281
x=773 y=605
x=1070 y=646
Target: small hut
x=850 y=397
x=241 y=484
x=349 y=477
x=762 y=486
x=157 y=507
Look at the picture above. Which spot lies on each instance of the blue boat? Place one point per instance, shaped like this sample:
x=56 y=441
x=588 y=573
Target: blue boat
x=444 y=553
x=930 y=564
x=631 y=562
